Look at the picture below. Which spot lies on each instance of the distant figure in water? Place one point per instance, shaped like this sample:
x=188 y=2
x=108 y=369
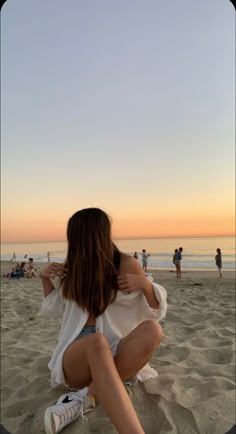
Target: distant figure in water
x=25 y=256
x=218 y=259
x=13 y=257
x=135 y=255
x=48 y=256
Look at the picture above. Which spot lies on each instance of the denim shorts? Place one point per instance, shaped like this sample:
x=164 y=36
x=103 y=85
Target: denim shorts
x=86 y=331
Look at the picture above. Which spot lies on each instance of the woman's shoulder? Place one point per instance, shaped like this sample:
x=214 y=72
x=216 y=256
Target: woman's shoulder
x=128 y=264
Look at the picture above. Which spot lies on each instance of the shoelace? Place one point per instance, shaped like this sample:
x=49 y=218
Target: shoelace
x=68 y=411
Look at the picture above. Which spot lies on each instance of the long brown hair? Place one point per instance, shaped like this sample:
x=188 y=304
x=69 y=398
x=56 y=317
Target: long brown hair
x=92 y=261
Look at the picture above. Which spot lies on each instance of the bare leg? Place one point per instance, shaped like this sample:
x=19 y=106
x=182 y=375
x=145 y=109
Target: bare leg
x=176 y=267
x=89 y=359
x=141 y=343
x=179 y=270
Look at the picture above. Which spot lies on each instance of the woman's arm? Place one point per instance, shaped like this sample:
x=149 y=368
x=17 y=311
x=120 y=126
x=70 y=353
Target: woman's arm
x=53 y=270
x=149 y=293
x=132 y=278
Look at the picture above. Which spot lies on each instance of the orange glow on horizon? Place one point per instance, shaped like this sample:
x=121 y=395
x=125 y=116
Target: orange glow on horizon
x=127 y=229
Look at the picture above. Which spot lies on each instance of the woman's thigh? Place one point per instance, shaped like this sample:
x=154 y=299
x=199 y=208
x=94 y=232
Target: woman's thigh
x=147 y=333
x=82 y=354
x=135 y=349
x=75 y=363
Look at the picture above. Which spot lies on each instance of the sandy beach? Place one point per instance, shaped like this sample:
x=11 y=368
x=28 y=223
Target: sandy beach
x=194 y=392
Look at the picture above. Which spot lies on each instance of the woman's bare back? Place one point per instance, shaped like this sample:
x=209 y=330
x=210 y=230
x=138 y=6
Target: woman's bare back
x=128 y=265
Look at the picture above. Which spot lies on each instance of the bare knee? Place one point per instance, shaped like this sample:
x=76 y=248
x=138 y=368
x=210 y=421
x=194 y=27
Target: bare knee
x=97 y=344
x=153 y=332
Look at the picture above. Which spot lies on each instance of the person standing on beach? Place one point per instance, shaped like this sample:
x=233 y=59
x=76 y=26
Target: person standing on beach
x=176 y=262
x=218 y=259
x=177 y=257
x=145 y=256
x=135 y=255
x=102 y=293
x=48 y=256
x=180 y=257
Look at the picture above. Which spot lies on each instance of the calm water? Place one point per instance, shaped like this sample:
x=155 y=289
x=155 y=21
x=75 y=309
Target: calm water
x=198 y=253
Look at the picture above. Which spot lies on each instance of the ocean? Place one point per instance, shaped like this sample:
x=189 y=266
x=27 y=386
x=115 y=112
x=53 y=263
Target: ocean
x=198 y=253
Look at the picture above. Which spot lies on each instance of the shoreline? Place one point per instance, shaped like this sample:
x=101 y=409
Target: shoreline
x=157 y=273
x=195 y=274
x=185 y=271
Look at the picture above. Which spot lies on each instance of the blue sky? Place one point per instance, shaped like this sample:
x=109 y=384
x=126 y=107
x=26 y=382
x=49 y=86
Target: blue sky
x=127 y=105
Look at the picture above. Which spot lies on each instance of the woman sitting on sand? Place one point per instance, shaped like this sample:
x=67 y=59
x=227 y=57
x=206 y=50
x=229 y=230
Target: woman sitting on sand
x=110 y=323
x=13 y=270
x=22 y=270
x=17 y=271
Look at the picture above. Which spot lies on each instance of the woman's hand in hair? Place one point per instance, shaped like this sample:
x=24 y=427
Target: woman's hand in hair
x=54 y=269
x=132 y=282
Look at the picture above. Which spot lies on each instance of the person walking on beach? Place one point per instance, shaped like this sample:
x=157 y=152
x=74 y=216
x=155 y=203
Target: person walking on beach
x=218 y=260
x=145 y=256
x=135 y=255
x=102 y=293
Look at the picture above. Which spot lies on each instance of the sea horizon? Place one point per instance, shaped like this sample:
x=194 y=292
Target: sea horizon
x=198 y=252
x=124 y=239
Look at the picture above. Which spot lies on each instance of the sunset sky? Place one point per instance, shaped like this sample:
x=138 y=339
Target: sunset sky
x=125 y=105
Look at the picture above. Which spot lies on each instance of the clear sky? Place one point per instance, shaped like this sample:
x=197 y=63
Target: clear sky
x=126 y=105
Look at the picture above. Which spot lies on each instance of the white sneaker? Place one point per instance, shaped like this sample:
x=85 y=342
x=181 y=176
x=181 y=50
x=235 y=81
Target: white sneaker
x=82 y=396
x=58 y=416
x=76 y=395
